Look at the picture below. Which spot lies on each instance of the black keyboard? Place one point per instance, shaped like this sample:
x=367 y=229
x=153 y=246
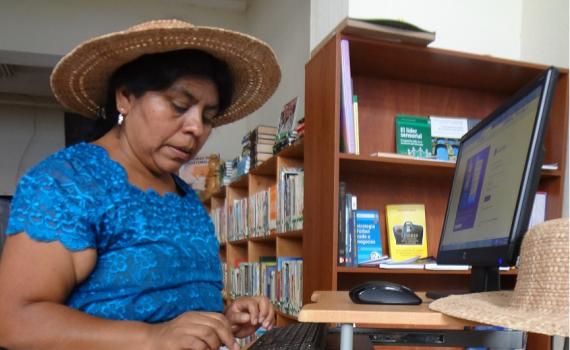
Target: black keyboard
x=298 y=336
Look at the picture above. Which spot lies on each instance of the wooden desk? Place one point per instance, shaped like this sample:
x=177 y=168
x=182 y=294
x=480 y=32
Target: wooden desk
x=336 y=307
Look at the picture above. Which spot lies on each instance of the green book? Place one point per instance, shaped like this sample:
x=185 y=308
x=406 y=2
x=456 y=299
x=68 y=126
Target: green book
x=413 y=136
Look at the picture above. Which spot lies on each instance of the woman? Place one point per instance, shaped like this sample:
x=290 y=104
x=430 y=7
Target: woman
x=107 y=248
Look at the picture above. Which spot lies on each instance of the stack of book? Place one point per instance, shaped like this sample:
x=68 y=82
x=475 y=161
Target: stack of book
x=227 y=172
x=261 y=142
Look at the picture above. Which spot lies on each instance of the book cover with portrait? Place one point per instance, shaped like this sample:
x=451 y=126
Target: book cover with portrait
x=406 y=230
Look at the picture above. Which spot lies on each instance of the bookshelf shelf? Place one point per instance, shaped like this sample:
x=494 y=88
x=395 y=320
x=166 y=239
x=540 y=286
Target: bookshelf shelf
x=392 y=164
x=293 y=151
x=375 y=270
x=290 y=234
x=242 y=201
x=389 y=163
x=266 y=168
x=270 y=238
x=391 y=79
x=238 y=242
x=240 y=183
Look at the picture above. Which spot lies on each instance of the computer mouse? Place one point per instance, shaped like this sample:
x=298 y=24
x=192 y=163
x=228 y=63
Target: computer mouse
x=382 y=292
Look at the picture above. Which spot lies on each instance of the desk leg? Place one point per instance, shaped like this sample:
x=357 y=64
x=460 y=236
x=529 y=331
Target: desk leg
x=346 y=333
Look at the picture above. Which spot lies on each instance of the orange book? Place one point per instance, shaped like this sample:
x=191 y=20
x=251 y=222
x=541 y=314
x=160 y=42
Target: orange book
x=273 y=207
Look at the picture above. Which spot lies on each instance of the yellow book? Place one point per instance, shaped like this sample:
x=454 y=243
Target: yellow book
x=406 y=229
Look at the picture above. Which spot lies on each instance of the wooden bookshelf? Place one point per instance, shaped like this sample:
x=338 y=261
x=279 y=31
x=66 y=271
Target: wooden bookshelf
x=272 y=243
x=392 y=78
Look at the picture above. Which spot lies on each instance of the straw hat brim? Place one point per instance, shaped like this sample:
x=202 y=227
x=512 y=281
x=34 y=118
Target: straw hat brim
x=79 y=81
x=494 y=308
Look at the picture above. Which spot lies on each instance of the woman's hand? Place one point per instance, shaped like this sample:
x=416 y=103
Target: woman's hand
x=246 y=314
x=193 y=330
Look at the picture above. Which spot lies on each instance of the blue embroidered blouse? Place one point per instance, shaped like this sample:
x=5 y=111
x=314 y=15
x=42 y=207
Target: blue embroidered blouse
x=157 y=255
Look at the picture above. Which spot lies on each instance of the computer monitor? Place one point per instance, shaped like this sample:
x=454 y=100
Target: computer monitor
x=495 y=180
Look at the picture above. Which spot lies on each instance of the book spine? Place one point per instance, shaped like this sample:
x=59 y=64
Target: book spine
x=369 y=242
x=347 y=206
x=346 y=98
x=341 y=224
x=353 y=243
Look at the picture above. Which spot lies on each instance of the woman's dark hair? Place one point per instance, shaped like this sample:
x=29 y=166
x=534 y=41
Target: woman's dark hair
x=157 y=72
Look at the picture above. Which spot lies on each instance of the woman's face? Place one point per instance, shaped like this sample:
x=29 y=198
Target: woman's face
x=166 y=129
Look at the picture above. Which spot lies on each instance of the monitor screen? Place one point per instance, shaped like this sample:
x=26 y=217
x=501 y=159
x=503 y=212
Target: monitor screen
x=496 y=176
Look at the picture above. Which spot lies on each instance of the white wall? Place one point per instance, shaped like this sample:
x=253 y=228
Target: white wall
x=284 y=26
x=54 y=27
x=27 y=135
x=544 y=36
x=325 y=16
x=545 y=40
x=477 y=26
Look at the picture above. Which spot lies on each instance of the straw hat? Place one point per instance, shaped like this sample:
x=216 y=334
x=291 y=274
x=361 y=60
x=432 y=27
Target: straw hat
x=79 y=81
x=539 y=303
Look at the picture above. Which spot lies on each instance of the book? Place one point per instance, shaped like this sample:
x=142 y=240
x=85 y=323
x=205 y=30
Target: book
x=267 y=264
x=351 y=205
x=356 y=125
x=387 y=29
x=346 y=107
x=538 y=212
x=446 y=133
x=405 y=156
x=436 y=266
x=409 y=266
x=374 y=262
x=287 y=118
x=414 y=263
x=195 y=172
x=550 y=166
x=341 y=251
x=265 y=130
x=368 y=238
x=406 y=230
x=263 y=148
x=413 y=136
x=272 y=207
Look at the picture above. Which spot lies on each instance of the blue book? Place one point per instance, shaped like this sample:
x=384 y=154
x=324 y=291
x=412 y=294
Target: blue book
x=368 y=242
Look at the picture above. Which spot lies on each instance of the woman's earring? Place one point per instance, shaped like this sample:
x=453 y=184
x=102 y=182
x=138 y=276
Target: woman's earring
x=120 y=119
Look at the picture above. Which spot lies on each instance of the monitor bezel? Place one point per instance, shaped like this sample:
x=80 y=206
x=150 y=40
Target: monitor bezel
x=506 y=255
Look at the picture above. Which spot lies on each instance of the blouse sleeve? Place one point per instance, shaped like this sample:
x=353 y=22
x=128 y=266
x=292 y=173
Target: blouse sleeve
x=51 y=204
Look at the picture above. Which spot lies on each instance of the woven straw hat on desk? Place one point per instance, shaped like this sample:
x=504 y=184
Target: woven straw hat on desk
x=79 y=81
x=539 y=303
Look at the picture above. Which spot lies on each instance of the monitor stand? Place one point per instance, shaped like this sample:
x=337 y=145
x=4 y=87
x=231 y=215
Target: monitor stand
x=483 y=279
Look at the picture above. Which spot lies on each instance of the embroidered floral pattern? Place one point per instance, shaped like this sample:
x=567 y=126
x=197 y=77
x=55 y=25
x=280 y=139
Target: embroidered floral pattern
x=157 y=255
